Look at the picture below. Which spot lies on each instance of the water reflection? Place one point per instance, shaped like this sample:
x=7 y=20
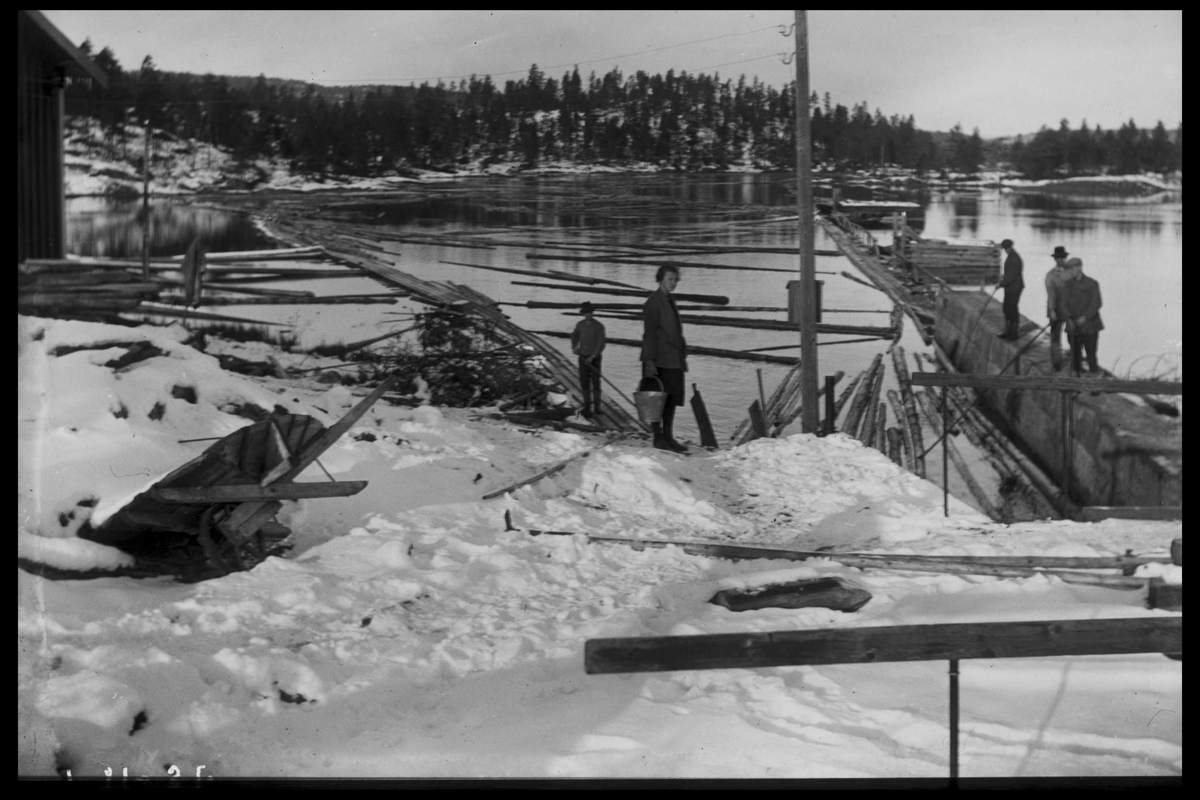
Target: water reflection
x=114 y=228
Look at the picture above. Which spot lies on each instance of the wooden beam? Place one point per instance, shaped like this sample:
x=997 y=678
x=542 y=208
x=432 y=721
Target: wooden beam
x=244 y=493
x=1023 y=639
x=1093 y=385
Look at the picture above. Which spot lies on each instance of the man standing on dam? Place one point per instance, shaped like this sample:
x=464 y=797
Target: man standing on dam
x=1079 y=309
x=1013 y=284
x=1054 y=281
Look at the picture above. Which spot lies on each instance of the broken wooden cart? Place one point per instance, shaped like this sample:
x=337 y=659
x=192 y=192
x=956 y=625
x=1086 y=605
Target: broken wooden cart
x=228 y=496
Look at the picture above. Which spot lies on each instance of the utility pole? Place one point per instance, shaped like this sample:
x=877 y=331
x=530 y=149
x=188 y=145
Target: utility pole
x=809 y=417
x=146 y=202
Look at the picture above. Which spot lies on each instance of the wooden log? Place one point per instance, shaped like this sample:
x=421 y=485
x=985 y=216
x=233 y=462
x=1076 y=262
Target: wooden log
x=551 y=471
x=907 y=448
x=329 y=300
x=241 y=493
x=758 y=422
x=696 y=298
x=557 y=424
x=309 y=275
x=866 y=433
x=1097 y=513
x=831 y=592
x=880 y=431
x=844 y=397
x=895 y=445
x=912 y=420
x=957 y=641
x=1048 y=383
x=769 y=325
x=957 y=459
x=549 y=273
x=715 y=352
x=148 y=309
x=634 y=261
x=861 y=400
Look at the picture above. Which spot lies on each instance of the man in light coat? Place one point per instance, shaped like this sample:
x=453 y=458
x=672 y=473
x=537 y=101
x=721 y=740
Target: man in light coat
x=1054 y=281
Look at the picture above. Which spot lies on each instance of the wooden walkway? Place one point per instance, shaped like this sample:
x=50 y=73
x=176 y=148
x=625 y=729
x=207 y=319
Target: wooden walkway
x=461 y=298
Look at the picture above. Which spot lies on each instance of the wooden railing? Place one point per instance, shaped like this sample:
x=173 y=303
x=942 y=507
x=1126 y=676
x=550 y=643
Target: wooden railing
x=955 y=641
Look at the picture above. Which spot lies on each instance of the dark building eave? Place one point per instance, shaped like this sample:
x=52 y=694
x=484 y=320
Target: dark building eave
x=69 y=57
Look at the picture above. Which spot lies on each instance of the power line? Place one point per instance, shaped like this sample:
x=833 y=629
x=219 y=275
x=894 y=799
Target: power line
x=555 y=66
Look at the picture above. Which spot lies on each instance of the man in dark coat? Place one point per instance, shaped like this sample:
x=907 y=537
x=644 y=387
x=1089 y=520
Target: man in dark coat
x=1079 y=309
x=664 y=353
x=1013 y=284
x=587 y=342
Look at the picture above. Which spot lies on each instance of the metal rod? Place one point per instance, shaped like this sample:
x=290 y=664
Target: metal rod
x=953 y=723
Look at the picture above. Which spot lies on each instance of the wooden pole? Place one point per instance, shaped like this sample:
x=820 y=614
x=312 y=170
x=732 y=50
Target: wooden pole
x=809 y=418
x=146 y=202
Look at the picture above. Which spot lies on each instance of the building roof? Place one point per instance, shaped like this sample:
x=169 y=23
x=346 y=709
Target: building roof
x=52 y=41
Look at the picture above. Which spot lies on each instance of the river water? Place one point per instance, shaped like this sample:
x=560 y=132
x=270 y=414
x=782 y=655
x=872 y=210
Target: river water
x=1133 y=248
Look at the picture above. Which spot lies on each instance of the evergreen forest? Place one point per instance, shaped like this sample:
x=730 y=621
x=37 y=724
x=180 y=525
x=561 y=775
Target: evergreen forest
x=674 y=121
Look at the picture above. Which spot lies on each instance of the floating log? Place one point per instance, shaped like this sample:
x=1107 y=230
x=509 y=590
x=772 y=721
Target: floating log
x=174 y=311
x=955 y=641
x=870 y=413
x=534 y=273
x=693 y=350
x=241 y=493
x=769 y=325
x=832 y=592
x=638 y=262
x=345 y=299
x=695 y=298
x=308 y=275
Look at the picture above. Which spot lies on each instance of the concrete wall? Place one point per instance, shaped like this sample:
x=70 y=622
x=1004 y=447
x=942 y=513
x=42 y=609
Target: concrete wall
x=1123 y=454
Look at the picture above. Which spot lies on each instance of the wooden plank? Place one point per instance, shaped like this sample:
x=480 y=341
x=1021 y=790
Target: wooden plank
x=1097 y=513
x=1023 y=639
x=716 y=352
x=1093 y=385
x=242 y=493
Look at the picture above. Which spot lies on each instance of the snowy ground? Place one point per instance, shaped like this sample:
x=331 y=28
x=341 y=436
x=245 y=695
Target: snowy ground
x=408 y=634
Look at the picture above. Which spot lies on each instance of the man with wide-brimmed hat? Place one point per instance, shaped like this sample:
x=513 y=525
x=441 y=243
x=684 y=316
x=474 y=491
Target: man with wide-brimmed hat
x=1079 y=309
x=1013 y=283
x=587 y=342
x=1054 y=281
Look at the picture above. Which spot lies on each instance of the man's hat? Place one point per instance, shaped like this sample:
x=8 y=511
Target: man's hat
x=1006 y=243
x=1074 y=262
x=1060 y=252
x=586 y=308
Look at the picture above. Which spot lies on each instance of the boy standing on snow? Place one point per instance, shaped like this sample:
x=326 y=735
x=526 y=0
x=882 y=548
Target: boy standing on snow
x=587 y=342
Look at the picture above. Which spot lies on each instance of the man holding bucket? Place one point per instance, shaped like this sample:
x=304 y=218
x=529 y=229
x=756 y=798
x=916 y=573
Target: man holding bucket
x=664 y=354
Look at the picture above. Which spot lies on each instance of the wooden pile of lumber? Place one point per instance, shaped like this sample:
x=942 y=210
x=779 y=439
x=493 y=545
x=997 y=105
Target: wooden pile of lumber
x=956 y=263
x=81 y=290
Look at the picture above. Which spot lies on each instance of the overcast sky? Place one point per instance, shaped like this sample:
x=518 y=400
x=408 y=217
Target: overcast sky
x=1005 y=72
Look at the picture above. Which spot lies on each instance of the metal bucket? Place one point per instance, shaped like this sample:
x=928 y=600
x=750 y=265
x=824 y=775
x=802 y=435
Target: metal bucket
x=650 y=405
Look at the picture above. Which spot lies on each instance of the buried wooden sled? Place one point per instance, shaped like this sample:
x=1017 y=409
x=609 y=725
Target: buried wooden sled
x=226 y=498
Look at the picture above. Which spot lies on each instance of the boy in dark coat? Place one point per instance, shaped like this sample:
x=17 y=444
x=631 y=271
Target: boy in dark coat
x=587 y=342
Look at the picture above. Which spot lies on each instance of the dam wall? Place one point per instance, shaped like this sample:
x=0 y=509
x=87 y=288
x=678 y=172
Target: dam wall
x=1124 y=453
